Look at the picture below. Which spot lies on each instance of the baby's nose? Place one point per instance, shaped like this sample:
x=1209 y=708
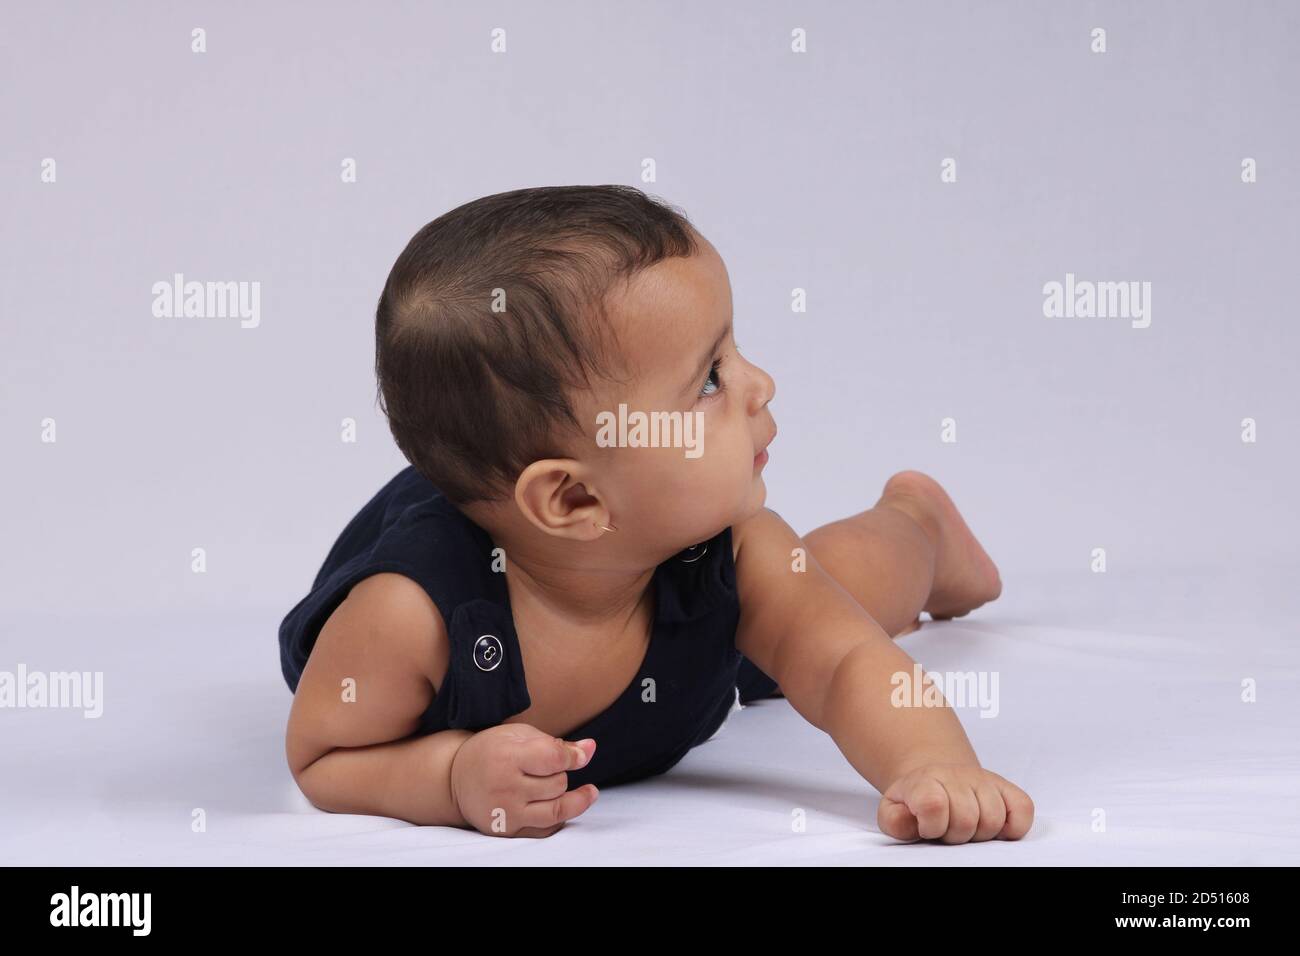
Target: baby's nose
x=766 y=390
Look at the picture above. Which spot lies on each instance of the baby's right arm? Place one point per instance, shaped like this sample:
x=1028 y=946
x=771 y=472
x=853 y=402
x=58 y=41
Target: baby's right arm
x=373 y=671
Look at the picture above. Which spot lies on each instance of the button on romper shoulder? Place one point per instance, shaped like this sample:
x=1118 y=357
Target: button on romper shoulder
x=689 y=681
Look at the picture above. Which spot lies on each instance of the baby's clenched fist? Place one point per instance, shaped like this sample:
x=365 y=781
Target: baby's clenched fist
x=955 y=804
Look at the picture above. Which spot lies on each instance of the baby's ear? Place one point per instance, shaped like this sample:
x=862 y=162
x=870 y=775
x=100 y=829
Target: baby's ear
x=554 y=499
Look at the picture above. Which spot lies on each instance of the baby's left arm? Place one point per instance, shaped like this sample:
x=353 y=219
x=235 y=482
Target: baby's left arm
x=836 y=666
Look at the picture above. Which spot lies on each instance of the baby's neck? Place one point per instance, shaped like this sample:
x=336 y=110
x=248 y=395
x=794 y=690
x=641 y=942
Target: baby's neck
x=580 y=597
x=577 y=583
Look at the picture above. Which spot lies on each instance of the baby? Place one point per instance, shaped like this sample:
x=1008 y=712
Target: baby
x=585 y=506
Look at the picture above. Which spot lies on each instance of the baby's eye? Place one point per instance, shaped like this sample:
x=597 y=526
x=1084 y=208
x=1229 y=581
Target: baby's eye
x=712 y=378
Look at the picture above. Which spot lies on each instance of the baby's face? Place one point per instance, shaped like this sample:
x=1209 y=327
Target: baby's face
x=702 y=402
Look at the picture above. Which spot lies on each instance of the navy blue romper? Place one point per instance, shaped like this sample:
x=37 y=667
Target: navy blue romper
x=689 y=681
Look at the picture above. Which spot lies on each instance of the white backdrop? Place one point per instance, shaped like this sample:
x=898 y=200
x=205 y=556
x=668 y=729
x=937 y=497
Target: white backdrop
x=810 y=144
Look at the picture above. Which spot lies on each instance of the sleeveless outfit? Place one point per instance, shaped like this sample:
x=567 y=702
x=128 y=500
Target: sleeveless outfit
x=691 y=678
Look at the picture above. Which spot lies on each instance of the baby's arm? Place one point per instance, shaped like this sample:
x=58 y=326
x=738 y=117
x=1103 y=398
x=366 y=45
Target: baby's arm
x=385 y=642
x=834 y=664
x=353 y=753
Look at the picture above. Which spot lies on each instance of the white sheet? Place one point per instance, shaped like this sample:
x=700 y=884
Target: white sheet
x=1119 y=694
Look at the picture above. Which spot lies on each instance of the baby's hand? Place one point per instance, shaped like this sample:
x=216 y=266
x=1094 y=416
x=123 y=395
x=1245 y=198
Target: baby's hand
x=512 y=780
x=956 y=804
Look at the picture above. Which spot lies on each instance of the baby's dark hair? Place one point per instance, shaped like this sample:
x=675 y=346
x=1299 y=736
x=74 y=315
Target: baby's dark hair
x=494 y=310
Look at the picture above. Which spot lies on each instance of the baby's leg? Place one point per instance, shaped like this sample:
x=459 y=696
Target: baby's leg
x=911 y=552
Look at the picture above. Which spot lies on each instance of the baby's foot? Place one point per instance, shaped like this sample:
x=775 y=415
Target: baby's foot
x=965 y=577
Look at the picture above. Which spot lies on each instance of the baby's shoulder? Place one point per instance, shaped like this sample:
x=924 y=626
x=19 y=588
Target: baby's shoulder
x=760 y=528
x=391 y=616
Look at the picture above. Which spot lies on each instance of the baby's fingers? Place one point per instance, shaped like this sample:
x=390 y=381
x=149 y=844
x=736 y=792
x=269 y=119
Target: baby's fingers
x=895 y=820
x=1020 y=811
x=923 y=813
x=543 y=756
x=993 y=810
x=963 y=812
x=544 y=817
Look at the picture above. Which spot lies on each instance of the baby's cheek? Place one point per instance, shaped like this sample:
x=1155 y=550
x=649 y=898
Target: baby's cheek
x=667 y=473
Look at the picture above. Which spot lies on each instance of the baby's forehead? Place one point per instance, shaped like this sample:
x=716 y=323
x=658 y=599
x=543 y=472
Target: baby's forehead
x=668 y=313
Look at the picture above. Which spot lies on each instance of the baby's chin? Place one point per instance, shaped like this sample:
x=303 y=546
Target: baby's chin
x=751 y=498
x=752 y=502
x=743 y=508
x=719 y=504
x=758 y=495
